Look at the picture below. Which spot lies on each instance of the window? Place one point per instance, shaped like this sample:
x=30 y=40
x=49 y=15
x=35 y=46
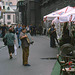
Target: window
x=8 y=17
x=8 y=8
x=6 y=3
x=3 y=7
x=10 y=3
x=8 y=23
x=3 y=2
x=13 y=18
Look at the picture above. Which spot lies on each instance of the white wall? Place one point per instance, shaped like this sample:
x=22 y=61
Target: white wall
x=14 y=2
x=1 y=5
x=10 y=20
x=14 y=7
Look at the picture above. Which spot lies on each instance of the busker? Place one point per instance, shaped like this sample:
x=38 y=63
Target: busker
x=10 y=42
x=25 y=46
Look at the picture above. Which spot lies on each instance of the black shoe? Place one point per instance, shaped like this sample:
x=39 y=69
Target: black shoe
x=32 y=42
x=11 y=57
x=19 y=47
x=27 y=65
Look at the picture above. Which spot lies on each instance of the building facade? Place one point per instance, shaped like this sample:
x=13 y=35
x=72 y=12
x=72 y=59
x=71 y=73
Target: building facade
x=8 y=15
x=21 y=12
x=29 y=10
x=36 y=9
x=12 y=3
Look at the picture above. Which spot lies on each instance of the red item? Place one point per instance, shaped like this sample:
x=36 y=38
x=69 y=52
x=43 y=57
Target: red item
x=70 y=63
x=71 y=18
x=69 y=68
x=58 y=18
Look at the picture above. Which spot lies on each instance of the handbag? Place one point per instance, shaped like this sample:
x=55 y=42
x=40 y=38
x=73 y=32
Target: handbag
x=5 y=41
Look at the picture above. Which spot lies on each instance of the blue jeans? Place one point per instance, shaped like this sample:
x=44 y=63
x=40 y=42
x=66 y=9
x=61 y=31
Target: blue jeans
x=19 y=41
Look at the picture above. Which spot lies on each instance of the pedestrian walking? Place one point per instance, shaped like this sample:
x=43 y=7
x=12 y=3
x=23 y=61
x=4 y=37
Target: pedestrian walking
x=18 y=31
x=28 y=29
x=31 y=29
x=34 y=30
x=25 y=46
x=10 y=42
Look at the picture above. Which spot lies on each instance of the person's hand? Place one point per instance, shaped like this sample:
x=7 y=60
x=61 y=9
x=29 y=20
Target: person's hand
x=26 y=36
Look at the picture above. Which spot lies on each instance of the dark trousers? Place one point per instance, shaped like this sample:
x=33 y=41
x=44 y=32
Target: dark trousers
x=11 y=49
x=52 y=41
x=19 y=41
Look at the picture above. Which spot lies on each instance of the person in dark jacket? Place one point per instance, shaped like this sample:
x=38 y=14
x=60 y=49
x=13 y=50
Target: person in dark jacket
x=53 y=36
x=3 y=30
